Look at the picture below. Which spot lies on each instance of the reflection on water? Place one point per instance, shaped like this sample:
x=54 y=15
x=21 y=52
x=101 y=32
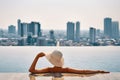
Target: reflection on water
x=55 y=76
x=58 y=76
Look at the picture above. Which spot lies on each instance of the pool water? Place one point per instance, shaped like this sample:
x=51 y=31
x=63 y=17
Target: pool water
x=19 y=59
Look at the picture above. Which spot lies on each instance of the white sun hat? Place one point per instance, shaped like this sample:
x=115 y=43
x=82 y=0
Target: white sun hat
x=56 y=58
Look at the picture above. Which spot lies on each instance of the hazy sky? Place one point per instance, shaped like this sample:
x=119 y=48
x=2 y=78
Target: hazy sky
x=54 y=14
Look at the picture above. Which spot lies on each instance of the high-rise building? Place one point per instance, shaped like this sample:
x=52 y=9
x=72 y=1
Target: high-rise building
x=34 y=28
x=24 y=31
x=70 y=31
x=19 y=26
x=77 y=31
x=115 y=29
x=92 y=33
x=11 y=29
x=108 y=27
x=52 y=35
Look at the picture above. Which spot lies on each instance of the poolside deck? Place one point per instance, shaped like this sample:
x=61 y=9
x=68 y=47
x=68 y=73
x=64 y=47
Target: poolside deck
x=26 y=76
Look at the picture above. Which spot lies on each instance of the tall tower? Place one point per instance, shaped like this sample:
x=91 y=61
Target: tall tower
x=92 y=33
x=70 y=31
x=39 y=33
x=24 y=31
x=77 y=31
x=115 y=29
x=108 y=27
x=19 y=26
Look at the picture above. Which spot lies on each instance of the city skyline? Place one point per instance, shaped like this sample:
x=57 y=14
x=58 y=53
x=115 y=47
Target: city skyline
x=31 y=34
x=54 y=14
x=27 y=23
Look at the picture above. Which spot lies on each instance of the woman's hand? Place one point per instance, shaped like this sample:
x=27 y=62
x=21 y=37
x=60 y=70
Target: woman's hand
x=40 y=55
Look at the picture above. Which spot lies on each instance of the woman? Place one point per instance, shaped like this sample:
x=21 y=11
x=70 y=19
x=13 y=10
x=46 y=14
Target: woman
x=56 y=58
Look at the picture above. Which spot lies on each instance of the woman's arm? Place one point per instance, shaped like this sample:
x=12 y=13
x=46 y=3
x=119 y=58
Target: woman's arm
x=32 y=68
x=70 y=70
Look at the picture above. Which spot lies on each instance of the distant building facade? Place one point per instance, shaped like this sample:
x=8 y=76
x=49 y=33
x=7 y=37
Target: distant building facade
x=19 y=27
x=41 y=41
x=11 y=29
x=108 y=27
x=70 y=31
x=24 y=31
x=77 y=31
x=115 y=29
x=98 y=32
x=21 y=42
x=52 y=36
x=35 y=28
x=92 y=35
x=24 y=28
x=29 y=39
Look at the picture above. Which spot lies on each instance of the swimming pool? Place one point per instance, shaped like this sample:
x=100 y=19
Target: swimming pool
x=19 y=59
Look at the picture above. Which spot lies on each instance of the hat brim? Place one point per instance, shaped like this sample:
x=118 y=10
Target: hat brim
x=53 y=61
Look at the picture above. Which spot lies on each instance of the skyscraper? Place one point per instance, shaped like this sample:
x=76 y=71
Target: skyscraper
x=11 y=29
x=34 y=28
x=24 y=31
x=70 y=31
x=108 y=27
x=92 y=33
x=19 y=26
x=115 y=29
x=77 y=31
